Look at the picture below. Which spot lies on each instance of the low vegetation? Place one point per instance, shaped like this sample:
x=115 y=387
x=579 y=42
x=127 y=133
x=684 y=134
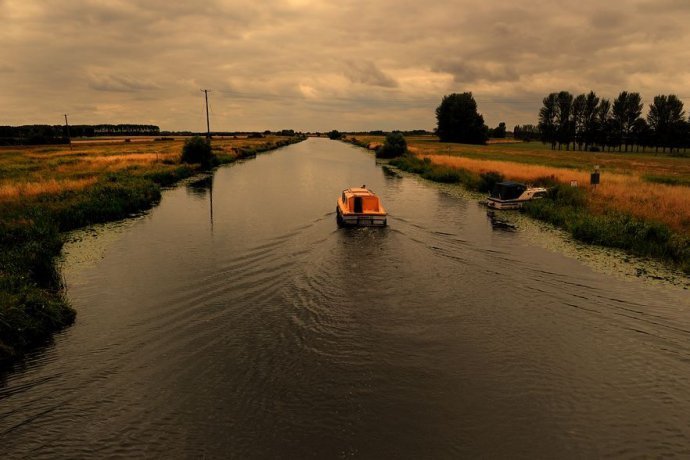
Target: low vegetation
x=45 y=191
x=198 y=150
x=394 y=146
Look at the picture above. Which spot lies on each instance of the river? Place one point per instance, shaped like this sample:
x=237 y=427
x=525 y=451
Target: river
x=235 y=320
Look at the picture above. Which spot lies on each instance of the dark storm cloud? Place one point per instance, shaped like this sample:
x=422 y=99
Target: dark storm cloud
x=367 y=73
x=470 y=72
x=119 y=84
x=322 y=65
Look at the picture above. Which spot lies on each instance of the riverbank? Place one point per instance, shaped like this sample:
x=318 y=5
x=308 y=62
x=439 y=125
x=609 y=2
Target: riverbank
x=48 y=190
x=640 y=207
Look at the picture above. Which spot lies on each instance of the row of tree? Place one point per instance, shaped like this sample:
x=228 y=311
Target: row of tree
x=58 y=134
x=589 y=122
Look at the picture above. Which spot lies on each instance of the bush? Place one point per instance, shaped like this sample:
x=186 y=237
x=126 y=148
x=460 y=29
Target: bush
x=335 y=135
x=443 y=174
x=394 y=146
x=488 y=180
x=412 y=164
x=565 y=195
x=197 y=150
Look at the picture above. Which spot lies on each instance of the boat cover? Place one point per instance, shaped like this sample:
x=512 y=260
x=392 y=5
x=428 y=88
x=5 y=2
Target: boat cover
x=508 y=190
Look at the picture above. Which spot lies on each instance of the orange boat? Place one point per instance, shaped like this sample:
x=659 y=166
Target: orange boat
x=359 y=206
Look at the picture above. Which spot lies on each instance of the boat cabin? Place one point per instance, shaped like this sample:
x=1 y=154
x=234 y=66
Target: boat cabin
x=508 y=190
x=360 y=206
x=512 y=195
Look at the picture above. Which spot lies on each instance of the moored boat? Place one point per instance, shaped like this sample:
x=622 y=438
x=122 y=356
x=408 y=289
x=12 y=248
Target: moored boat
x=512 y=195
x=359 y=206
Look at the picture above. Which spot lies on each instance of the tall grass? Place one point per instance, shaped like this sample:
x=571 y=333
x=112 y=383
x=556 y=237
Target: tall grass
x=16 y=190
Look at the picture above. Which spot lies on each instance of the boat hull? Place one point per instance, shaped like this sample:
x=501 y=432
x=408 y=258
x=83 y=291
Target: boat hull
x=360 y=220
x=504 y=204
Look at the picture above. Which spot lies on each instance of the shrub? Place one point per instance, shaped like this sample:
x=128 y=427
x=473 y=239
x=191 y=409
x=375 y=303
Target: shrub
x=197 y=150
x=443 y=174
x=394 y=146
x=412 y=164
x=488 y=180
x=565 y=195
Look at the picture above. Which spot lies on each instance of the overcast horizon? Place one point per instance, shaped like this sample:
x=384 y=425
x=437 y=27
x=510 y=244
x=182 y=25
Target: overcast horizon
x=316 y=66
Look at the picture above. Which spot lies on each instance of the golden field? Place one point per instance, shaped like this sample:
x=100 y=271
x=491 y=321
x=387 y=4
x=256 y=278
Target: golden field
x=39 y=170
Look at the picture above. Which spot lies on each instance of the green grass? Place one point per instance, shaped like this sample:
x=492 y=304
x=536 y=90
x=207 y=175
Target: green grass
x=436 y=173
x=566 y=208
x=669 y=180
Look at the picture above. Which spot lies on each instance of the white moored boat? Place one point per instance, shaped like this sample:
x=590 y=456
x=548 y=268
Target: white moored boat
x=512 y=195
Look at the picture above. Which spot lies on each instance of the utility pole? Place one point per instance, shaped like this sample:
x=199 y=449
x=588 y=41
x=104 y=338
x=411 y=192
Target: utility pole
x=208 y=125
x=69 y=138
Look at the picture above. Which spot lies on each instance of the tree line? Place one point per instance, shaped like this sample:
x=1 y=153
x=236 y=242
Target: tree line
x=58 y=134
x=588 y=122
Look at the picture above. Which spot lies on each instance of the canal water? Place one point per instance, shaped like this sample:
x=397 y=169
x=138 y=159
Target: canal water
x=235 y=320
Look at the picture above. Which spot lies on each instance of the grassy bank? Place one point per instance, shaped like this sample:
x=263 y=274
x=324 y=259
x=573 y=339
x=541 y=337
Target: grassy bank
x=47 y=190
x=641 y=206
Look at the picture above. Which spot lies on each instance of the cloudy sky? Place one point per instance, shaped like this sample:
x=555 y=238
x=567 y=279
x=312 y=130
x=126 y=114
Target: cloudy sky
x=321 y=65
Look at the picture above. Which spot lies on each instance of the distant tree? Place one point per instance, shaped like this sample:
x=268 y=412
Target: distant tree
x=565 y=126
x=547 y=120
x=197 y=150
x=394 y=146
x=458 y=120
x=627 y=108
x=578 y=120
x=499 y=131
x=686 y=135
x=642 y=134
x=604 y=122
x=666 y=118
x=335 y=135
x=526 y=133
x=589 y=119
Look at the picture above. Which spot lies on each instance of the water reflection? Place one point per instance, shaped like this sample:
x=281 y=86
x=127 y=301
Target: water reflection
x=501 y=221
x=203 y=189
